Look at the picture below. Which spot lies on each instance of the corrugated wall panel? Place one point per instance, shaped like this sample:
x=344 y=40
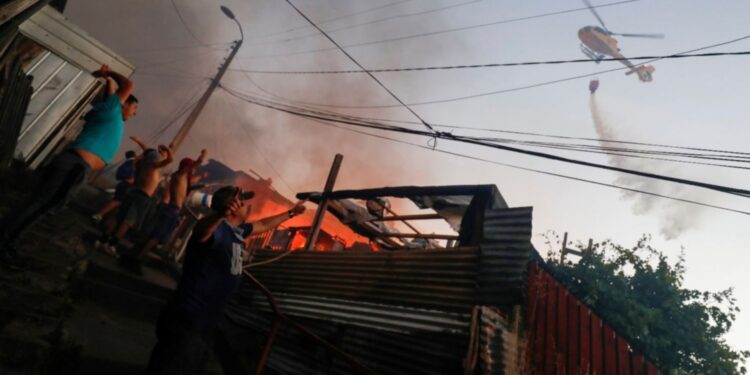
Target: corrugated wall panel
x=567 y=337
x=430 y=279
x=383 y=317
x=505 y=251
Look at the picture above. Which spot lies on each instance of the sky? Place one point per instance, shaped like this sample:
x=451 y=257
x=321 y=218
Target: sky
x=699 y=102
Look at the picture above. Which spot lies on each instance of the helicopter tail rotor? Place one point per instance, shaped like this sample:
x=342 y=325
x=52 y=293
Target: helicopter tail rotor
x=645 y=72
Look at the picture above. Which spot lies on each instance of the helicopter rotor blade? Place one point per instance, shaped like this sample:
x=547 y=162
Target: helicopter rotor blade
x=630 y=35
x=591 y=8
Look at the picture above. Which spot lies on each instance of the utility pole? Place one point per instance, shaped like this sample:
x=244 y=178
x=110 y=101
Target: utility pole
x=312 y=238
x=565 y=250
x=190 y=120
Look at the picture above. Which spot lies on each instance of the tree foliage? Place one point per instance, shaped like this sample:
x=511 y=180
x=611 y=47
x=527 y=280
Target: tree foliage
x=642 y=296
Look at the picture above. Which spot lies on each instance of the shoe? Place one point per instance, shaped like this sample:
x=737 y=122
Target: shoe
x=111 y=250
x=10 y=259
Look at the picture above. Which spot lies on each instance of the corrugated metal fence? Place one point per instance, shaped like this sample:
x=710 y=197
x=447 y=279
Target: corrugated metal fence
x=566 y=337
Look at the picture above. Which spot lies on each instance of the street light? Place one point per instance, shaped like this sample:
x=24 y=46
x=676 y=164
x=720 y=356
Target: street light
x=228 y=12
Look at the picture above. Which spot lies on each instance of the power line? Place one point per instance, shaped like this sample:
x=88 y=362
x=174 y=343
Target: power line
x=520 y=88
x=262 y=155
x=379 y=20
x=183 y=76
x=327 y=123
x=736 y=156
x=362 y=67
x=369 y=10
x=445 y=31
x=599 y=149
x=172 y=48
x=496 y=65
x=177 y=60
x=617 y=151
x=177 y=113
x=478 y=142
x=185 y=25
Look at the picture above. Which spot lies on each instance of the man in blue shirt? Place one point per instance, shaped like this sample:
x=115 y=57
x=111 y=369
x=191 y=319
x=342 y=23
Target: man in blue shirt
x=211 y=272
x=92 y=150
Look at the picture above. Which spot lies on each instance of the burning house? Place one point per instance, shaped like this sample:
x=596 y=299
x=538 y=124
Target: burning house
x=475 y=300
x=269 y=201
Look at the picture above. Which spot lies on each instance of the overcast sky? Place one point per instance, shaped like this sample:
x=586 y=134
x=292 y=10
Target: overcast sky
x=699 y=102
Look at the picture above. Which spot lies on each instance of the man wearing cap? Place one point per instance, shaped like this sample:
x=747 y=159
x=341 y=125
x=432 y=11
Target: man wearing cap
x=168 y=211
x=94 y=148
x=211 y=272
x=137 y=203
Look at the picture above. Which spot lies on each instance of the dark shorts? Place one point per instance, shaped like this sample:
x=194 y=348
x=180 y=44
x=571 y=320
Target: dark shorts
x=121 y=190
x=167 y=217
x=134 y=209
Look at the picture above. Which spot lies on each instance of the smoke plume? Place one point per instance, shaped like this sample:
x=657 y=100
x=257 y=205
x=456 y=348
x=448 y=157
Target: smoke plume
x=674 y=217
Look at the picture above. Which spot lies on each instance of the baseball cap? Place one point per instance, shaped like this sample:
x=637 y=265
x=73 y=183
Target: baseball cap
x=225 y=193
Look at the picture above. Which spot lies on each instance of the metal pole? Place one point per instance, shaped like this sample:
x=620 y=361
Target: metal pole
x=323 y=205
x=190 y=121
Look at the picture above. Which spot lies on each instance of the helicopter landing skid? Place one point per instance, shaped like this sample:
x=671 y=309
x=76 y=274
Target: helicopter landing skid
x=591 y=54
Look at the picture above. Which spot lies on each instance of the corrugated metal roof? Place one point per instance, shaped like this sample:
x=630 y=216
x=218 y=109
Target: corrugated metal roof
x=428 y=279
x=383 y=352
x=384 y=317
x=400 y=311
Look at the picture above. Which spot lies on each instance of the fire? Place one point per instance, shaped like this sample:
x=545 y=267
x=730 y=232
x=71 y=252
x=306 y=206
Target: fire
x=267 y=202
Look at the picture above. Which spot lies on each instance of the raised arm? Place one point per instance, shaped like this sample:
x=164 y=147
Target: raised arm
x=116 y=83
x=139 y=142
x=205 y=227
x=167 y=160
x=111 y=88
x=272 y=222
x=125 y=86
x=201 y=158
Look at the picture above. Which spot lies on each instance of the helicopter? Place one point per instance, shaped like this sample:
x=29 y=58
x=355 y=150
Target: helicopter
x=598 y=42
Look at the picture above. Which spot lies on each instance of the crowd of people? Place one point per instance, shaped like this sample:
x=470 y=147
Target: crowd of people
x=214 y=255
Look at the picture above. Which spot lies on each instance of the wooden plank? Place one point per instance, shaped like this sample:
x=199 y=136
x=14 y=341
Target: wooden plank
x=573 y=332
x=651 y=369
x=585 y=339
x=623 y=356
x=638 y=364
x=562 y=330
x=424 y=235
x=610 y=351
x=549 y=347
x=12 y=8
x=597 y=346
x=409 y=217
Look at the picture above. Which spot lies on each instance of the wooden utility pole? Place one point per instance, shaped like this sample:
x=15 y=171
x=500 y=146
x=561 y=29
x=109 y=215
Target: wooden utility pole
x=565 y=250
x=312 y=238
x=190 y=120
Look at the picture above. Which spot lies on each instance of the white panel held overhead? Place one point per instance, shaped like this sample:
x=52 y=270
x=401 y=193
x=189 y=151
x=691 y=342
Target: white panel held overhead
x=51 y=29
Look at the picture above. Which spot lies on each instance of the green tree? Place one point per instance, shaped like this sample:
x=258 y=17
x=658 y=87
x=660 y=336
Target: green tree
x=641 y=295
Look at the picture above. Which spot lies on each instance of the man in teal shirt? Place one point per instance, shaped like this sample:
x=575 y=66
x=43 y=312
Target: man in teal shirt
x=93 y=149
